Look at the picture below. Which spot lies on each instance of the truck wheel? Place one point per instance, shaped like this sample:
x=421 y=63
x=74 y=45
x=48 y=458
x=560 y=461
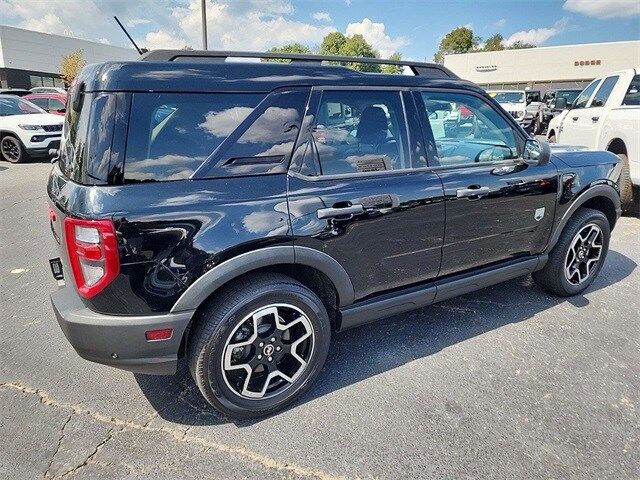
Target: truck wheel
x=552 y=138
x=628 y=194
x=12 y=149
x=537 y=126
x=574 y=262
x=258 y=345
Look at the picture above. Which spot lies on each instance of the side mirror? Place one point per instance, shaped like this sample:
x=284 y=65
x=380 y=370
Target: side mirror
x=561 y=103
x=536 y=152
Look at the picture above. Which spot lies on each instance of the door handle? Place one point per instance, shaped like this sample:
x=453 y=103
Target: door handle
x=333 y=212
x=595 y=119
x=575 y=119
x=472 y=192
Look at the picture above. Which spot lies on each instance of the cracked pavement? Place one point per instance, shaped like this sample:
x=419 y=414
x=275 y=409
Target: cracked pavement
x=504 y=382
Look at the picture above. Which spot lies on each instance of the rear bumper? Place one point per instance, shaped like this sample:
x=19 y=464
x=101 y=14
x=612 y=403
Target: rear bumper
x=119 y=341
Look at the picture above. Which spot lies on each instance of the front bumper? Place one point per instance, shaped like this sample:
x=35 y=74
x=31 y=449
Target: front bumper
x=119 y=341
x=41 y=149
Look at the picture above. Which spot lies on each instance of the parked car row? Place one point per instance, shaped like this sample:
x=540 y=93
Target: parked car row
x=26 y=130
x=606 y=116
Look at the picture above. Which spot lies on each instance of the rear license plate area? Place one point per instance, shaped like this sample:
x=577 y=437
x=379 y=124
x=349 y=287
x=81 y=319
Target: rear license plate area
x=56 y=268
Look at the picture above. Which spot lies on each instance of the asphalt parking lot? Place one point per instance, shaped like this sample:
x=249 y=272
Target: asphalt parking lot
x=507 y=382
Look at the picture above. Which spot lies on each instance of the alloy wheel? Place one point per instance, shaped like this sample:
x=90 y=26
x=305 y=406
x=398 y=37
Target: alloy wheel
x=10 y=149
x=267 y=351
x=583 y=254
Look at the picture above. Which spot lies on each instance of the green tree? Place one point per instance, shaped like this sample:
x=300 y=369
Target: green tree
x=493 y=43
x=458 y=40
x=288 y=48
x=332 y=44
x=393 y=69
x=71 y=66
x=520 y=44
x=357 y=46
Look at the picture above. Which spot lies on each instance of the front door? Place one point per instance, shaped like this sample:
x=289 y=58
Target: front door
x=497 y=207
x=572 y=131
x=358 y=194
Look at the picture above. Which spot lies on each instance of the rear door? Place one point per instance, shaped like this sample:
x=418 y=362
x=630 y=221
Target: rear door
x=360 y=190
x=497 y=207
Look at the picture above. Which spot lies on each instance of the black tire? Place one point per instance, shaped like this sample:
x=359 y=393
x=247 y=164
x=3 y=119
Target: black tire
x=628 y=194
x=552 y=138
x=220 y=321
x=12 y=150
x=537 y=126
x=552 y=277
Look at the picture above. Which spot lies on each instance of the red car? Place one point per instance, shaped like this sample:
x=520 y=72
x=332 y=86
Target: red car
x=51 y=102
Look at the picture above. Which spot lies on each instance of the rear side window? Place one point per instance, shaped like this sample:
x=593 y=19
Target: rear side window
x=632 y=96
x=171 y=135
x=357 y=132
x=604 y=91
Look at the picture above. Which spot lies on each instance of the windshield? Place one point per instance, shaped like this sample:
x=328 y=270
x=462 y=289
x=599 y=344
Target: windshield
x=16 y=106
x=570 y=95
x=508 y=97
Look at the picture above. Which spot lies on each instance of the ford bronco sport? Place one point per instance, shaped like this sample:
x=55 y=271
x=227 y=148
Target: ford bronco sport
x=238 y=214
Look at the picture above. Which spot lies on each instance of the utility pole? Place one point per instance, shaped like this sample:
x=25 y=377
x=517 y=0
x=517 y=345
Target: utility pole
x=203 y=6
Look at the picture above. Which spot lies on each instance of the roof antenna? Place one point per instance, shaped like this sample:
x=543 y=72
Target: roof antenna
x=128 y=36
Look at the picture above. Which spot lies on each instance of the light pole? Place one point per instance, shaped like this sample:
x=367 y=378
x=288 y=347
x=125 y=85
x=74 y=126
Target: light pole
x=203 y=6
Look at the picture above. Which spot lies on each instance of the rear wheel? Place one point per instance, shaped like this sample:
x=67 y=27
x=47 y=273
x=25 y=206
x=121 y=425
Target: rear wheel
x=552 y=138
x=258 y=345
x=574 y=262
x=628 y=194
x=12 y=149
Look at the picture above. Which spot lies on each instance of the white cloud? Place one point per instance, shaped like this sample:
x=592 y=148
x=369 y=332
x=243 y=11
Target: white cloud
x=500 y=23
x=163 y=39
x=49 y=23
x=134 y=22
x=347 y=3
x=322 y=17
x=256 y=25
x=246 y=25
x=537 y=36
x=604 y=8
x=105 y=41
x=375 y=34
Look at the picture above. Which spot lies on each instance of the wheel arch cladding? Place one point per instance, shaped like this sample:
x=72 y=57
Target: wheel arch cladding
x=603 y=198
x=265 y=258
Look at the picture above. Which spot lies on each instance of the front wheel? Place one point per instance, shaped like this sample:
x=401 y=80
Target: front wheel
x=12 y=150
x=574 y=262
x=629 y=195
x=258 y=345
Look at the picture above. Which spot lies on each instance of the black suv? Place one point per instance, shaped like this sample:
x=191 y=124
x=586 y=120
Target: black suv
x=239 y=213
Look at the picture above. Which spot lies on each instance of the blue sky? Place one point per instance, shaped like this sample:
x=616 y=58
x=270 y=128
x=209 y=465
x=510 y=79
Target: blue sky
x=411 y=27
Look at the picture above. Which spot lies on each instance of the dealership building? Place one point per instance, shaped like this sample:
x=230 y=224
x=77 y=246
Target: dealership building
x=31 y=59
x=542 y=68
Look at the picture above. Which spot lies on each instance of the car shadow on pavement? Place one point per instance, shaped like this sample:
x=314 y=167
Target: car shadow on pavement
x=381 y=346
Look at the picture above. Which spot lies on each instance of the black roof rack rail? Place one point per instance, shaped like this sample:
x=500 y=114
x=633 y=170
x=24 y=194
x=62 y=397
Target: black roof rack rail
x=418 y=68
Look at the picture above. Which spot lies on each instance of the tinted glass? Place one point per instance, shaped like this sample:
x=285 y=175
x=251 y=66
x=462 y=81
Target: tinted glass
x=171 y=134
x=263 y=143
x=467 y=129
x=584 y=97
x=632 y=96
x=11 y=105
x=55 y=104
x=41 y=102
x=508 y=97
x=604 y=91
x=357 y=132
x=570 y=95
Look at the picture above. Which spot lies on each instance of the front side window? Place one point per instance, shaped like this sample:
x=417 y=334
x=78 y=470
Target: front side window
x=357 y=132
x=632 y=97
x=604 y=91
x=584 y=97
x=467 y=130
x=170 y=135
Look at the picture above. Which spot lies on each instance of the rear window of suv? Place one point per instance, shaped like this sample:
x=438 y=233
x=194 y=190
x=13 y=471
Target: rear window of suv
x=170 y=135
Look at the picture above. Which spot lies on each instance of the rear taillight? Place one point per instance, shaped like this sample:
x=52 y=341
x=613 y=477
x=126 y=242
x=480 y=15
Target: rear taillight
x=93 y=254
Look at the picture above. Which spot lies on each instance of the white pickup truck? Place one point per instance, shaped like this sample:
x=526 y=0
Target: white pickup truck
x=606 y=116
